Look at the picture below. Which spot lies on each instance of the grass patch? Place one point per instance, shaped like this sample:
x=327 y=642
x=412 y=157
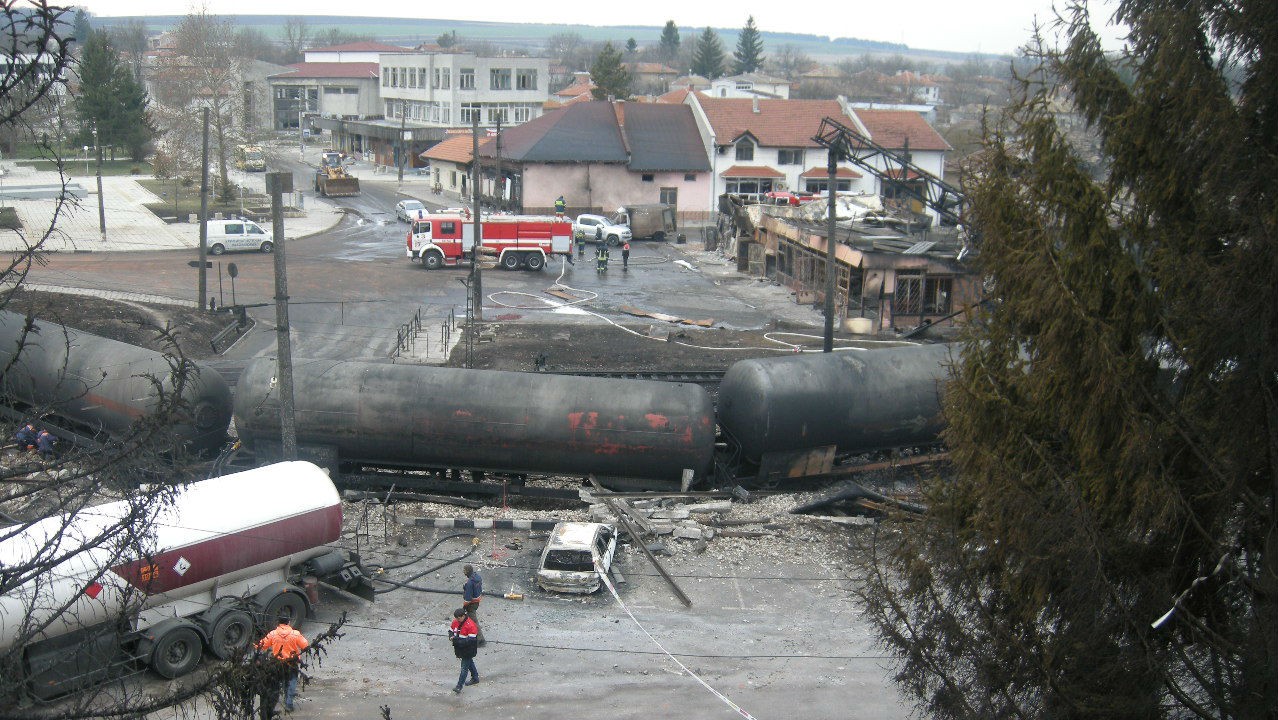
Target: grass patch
x=184 y=201
x=77 y=166
x=9 y=219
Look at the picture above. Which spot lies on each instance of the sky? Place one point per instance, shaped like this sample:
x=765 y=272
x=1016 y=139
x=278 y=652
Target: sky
x=987 y=26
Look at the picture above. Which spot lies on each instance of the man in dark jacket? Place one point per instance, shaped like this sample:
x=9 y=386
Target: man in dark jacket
x=44 y=444
x=472 y=593
x=26 y=437
x=463 y=632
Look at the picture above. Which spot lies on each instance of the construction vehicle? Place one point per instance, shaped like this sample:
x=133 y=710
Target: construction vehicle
x=515 y=241
x=332 y=178
x=250 y=158
x=213 y=572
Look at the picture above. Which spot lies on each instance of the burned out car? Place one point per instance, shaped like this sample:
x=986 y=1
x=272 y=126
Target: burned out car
x=575 y=555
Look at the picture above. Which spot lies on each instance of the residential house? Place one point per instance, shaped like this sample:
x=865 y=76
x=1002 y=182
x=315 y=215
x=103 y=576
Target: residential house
x=649 y=77
x=916 y=87
x=749 y=85
x=450 y=162
x=693 y=83
x=759 y=146
x=581 y=89
x=602 y=155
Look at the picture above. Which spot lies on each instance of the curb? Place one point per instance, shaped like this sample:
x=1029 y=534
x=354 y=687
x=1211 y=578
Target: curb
x=482 y=524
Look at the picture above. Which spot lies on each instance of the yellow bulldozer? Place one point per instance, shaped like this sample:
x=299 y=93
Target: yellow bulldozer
x=332 y=178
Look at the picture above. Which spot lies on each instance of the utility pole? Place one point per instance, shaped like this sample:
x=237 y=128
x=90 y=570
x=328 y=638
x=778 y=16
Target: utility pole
x=204 y=216
x=101 y=201
x=403 y=151
x=833 y=154
x=500 y=189
x=476 y=284
x=278 y=183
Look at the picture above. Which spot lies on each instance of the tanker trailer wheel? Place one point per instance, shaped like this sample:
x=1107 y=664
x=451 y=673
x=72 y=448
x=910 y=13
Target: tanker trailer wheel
x=288 y=604
x=432 y=260
x=177 y=652
x=231 y=632
x=510 y=261
x=659 y=236
x=535 y=262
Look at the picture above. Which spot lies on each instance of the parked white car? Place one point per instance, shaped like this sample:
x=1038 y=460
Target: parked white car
x=410 y=210
x=586 y=228
x=238 y=235
x=575 y=555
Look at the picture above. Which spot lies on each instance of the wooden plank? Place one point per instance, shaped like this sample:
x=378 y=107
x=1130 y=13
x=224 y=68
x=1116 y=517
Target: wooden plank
x=631 y=310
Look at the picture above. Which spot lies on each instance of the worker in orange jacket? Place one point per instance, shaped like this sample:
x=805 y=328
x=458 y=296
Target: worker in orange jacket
x=285 y=644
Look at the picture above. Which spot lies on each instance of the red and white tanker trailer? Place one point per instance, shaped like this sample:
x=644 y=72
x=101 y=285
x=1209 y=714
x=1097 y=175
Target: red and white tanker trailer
x=210 y=570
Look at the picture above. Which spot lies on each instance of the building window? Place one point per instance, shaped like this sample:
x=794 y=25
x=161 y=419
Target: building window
x=689 y=177
x=526 y=79
x=790 y=156
x=469 y=113
x=446 y=115
x=749 y=186
x=523 y=114
x=385 y=77
x=499 y=79
x=445 y=78
x=669 y=196
x=745 y=150
x=466 y=79
x=647 y=177
x=815 y=185
x=936 y=295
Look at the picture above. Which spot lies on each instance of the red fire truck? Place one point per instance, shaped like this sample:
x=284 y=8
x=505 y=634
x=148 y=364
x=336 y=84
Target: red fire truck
x=515 y=240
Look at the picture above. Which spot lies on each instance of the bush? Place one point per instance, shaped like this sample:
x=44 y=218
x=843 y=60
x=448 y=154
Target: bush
x=9 y=219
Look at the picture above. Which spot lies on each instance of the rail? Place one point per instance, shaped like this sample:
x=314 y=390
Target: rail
x=406 y=335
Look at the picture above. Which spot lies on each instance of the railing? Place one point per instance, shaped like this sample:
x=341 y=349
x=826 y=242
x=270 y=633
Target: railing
x=406 y=335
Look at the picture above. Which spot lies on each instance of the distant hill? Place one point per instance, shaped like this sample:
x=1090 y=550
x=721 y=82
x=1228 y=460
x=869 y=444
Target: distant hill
x=531 y=36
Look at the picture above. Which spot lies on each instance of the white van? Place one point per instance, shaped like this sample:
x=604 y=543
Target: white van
x=235 y=235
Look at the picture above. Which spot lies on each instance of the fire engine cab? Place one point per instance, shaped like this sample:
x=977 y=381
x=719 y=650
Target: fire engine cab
x=516 y=241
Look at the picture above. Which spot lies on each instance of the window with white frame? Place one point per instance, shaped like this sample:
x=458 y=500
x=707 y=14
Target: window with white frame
x=790 y=156
x=499 y=79
x=469 y=111
x=386 y=77
x=498 y=113
x=745 y=150
x=522 y=113
x=466 y=79
x=526 y=79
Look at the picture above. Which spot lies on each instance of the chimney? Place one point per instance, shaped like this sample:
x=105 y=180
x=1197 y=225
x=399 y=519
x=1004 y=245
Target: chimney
x=755 y=105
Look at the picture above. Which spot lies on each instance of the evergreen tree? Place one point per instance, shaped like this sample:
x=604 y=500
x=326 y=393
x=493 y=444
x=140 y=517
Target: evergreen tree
x=609 y=75
x=669 y=45
x=631 y=46
x=1108 y=547
x=708 y=57
x=81 y=26
x=749 y=52
x=111 y=100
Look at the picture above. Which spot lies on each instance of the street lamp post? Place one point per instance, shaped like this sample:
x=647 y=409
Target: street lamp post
x=101 y=200
x=301 y=138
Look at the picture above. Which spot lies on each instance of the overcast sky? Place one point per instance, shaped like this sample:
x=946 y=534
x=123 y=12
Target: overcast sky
x=992 y=26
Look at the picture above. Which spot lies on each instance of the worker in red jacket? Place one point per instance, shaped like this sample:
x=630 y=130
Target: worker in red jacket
x=284 y=644
x=465 y=636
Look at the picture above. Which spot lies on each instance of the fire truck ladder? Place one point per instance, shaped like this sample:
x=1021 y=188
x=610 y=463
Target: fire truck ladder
x=897 y=170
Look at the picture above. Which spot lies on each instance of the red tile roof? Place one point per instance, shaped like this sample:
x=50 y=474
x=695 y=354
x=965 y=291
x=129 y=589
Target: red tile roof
x=779 y=123
x=823 y=173
x=362 y=46
x=455 y=148
x=319 y=70
x=576 y=89
x=751 y=171
x=890 y=128
x=674 y=96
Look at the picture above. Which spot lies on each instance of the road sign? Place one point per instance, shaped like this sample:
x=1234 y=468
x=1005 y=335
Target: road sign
x=232 y=270
x=196 y=263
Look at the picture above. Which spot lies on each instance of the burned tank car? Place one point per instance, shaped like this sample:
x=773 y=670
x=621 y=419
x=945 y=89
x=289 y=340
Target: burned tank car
x=437 y=417
x=856 y=401
x=96 y=388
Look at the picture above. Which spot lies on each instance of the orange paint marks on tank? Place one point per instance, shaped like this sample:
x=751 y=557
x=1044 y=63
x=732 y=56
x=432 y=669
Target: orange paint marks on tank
x=583 y=420
x=657 y=422
x=463 y=413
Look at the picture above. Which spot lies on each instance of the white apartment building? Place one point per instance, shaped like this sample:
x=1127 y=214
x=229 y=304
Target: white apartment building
x=449 y=89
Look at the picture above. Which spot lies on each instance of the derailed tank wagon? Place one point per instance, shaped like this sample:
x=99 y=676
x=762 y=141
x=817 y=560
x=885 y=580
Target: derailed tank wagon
x=507 y=422
x=210 y=573
x=98 y=388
